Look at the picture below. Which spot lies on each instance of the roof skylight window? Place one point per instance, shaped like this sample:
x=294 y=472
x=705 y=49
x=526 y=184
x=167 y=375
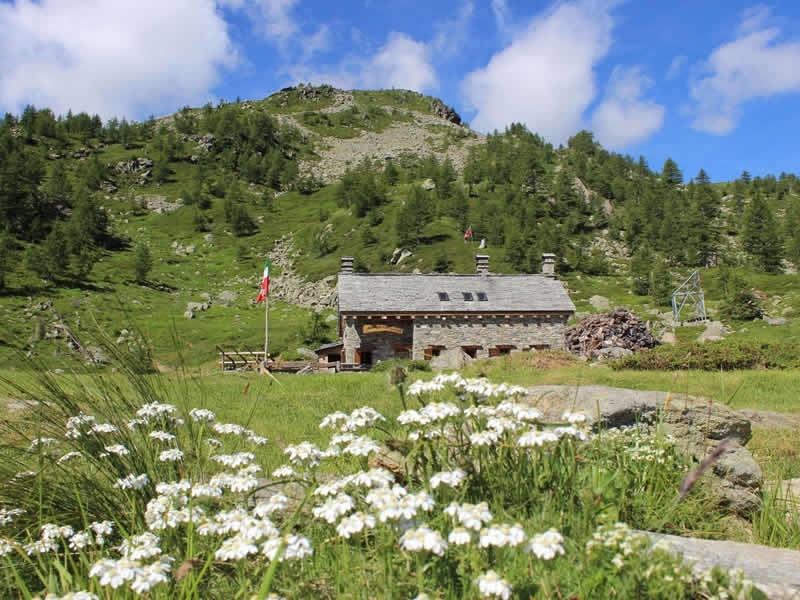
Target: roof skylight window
x=467 y=296
x=443 y=296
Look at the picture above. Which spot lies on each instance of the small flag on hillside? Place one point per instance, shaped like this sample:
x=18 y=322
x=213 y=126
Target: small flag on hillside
x=468 y=234
x=262 y=295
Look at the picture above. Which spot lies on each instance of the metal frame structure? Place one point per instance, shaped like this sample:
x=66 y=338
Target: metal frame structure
x=689 y=292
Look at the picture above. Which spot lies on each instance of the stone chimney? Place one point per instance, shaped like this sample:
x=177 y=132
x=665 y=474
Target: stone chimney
x=549 y=265
x=482 y=264
x=347 y=264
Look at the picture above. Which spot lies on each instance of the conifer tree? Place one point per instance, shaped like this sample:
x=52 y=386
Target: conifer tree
x=760 y=235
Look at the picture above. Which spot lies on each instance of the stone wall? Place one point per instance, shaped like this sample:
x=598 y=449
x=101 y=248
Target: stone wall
x=520 y=332
x=481 y=333
x=381 y=342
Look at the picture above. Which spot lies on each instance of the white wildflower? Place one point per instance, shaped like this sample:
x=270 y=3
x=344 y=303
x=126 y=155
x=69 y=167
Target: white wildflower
x=501 y=535
x=459 y=536
x=235 y=548
x=235 y=460
x=362 y=446
x=296 y=548
x=162 y=436
x=114 y=572
x=133 y=482
x=228 y=428
x=536 y=438
x=449 y=478
x=81 y=540
x=69 y=456
x=104 y=428
x=333 y=508
x=156 y=409
x=355 y=523
x=171 y=455
x=546 y=545
x=140 y=547
x=491 y=584
x=304 y=452
x=150 y=575
x=334 y=420
x=423 y=538
x=202 y=415
x=117 y=449
x=275 y=503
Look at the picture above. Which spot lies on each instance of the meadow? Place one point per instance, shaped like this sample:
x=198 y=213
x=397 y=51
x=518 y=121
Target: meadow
x=198 y=484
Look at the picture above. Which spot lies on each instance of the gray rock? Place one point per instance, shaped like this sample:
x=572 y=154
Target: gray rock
x=226 y=298
x=189 y=314
x=331 y=318
x=773 y=570
x=209 y=237
x=190 y=249
x=612 y=353
x=738 y=466
x=600 y=303
x=776 y=321
x=400 y=254
x=714 y=332
x=668 y=337
x=697 y=424
x=428 y=184
x=197 y=306
x=306 y=353
x=454 y=358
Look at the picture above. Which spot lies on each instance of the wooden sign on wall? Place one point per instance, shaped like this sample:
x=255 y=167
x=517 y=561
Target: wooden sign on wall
x=369 y=328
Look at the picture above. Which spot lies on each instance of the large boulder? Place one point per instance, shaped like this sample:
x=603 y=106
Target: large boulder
x=452 y=359
x=697 y=424
x=714 y=332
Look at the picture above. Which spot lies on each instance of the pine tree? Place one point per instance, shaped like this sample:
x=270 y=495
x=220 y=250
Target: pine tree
x=671 y=175
x=760 y=236
x=142 y=263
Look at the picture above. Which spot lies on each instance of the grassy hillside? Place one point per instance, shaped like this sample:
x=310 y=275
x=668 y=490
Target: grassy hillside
x=212 y=189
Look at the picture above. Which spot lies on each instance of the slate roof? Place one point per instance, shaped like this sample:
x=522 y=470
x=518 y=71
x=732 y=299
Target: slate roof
x=405 y=293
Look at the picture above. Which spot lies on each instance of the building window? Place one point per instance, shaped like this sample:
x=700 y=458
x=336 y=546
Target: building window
x=402 y=350
x=443 y=296
x=482 y=297
x=432 y=352
x=500 y=350
x=471 y=351
x=540 y=347
x=467 y=296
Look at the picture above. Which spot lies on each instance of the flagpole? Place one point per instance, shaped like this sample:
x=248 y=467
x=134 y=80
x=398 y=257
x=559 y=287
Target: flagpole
x=266 y=332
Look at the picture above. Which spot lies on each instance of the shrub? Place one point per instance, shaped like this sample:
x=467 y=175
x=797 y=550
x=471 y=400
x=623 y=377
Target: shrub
x=409 y=365
x=724 y=355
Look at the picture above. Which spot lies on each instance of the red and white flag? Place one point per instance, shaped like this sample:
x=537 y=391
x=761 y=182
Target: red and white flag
x=262 y=295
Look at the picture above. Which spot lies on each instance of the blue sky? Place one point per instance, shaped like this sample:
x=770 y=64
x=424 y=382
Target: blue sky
x=713 y=84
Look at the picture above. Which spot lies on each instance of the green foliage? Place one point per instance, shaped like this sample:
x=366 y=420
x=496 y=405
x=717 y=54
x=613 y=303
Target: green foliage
x=142 y=263
x=387 y=366
x=741 y=305
x=317 y=330
x=760 y=236
x=725 y=355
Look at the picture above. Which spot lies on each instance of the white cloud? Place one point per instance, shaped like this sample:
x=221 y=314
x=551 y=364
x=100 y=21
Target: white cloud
x=754 y=65
x=452 y=35
x=624 y=117
x=272 y=18
x=401 y=62
x=676 y=67
x=545 y=77
x=112 y=57
x=502 y=14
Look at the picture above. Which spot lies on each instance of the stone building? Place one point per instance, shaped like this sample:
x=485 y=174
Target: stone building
x=399 y=315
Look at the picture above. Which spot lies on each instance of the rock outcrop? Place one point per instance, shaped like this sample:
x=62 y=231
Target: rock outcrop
x=698 y=425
